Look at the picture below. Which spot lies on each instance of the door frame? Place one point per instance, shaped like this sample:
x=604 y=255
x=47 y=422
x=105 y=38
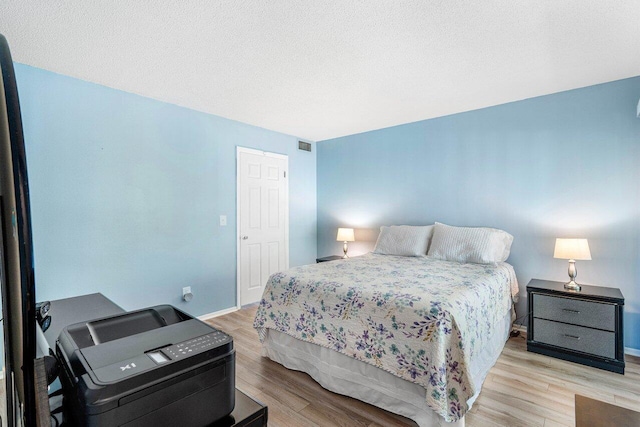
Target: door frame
x=285 y=157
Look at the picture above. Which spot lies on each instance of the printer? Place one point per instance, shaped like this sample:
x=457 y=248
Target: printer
x=152 y=367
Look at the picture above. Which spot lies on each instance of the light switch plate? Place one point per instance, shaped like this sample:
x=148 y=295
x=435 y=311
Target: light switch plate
x=223 y=220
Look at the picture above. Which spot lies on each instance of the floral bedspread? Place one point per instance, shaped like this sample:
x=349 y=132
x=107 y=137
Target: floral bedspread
x=418 y=318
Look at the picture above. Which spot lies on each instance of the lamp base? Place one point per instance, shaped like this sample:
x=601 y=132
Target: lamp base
x=573 y=286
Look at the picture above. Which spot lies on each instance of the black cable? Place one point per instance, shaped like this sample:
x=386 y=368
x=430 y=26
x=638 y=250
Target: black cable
x=515 y=332
x=56 y=420
x=57 y=410
x=515 y=322
x=58 y=392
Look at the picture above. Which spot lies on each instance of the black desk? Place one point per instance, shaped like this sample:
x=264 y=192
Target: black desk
x=67 y=311
x=247 y=413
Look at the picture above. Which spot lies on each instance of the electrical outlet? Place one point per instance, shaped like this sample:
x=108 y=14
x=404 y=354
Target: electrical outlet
x=186 y=294
x=223 y=220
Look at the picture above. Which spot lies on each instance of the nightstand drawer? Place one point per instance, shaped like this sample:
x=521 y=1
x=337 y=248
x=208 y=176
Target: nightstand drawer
x=575 y=311
x=592 y=341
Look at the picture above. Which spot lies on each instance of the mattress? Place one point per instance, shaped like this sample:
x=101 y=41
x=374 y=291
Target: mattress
x=427 y=322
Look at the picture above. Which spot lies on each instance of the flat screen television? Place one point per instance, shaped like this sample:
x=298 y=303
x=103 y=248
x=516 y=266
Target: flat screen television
x=16 y=254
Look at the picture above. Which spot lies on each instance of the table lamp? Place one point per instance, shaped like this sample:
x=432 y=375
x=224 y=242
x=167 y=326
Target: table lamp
x=345 y=235
x=572 y=249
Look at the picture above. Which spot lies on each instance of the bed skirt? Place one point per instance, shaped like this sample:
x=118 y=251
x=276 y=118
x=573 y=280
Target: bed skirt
x=344 y=375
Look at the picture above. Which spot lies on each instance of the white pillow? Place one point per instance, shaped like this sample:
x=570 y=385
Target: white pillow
x=478 y=245
x=403 y=240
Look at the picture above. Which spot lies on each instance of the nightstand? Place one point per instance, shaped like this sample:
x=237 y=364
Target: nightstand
x=583 y=327
x=329 y=258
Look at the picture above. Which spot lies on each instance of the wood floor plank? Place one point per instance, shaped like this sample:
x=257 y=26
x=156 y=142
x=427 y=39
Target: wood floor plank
x=499 y=374
x=625 y=402
x=321 y=416
x=543 y=403
x=552 y=423
x=501 y=417
x=527 y=413
x=522 y=390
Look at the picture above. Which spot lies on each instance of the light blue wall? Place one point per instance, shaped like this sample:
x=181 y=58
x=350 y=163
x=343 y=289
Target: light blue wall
x=561 y=165
x=126 y=194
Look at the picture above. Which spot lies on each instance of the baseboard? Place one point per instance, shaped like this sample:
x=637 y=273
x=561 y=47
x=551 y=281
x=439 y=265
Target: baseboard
x=632 y=351
x=627 y=350
x=218 y=313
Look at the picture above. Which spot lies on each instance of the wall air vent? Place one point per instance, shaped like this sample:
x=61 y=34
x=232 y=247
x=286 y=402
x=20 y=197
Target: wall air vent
x=304 y=146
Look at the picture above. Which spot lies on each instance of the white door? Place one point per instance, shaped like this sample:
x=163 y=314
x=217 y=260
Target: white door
x=263 y=220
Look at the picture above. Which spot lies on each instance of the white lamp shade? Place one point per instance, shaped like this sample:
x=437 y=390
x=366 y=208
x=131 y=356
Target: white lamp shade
x=345 y=235
x=577 y=249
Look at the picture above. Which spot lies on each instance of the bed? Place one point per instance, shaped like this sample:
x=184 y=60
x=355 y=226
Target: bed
x=415 y=335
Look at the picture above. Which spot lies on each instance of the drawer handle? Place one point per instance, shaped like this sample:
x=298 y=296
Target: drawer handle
x=572 y=336
x=571 y=311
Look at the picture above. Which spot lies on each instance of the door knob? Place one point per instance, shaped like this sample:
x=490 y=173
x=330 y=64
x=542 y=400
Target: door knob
x=245 y=237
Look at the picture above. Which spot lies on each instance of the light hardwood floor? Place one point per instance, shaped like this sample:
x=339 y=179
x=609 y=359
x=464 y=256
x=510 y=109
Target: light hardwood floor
x=522 y=389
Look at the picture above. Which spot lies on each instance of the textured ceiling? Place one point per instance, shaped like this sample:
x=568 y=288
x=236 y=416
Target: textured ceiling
x=321 y=69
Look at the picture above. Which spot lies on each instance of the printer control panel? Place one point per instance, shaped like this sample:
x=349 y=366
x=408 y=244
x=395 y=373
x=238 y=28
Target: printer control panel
x=197 y=345
x=151 y=359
